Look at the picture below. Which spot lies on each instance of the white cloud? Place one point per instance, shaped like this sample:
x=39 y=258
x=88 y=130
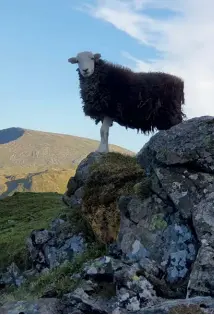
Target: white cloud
x=184 y=41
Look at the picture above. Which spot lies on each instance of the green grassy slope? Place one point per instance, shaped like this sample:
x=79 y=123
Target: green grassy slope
x=19 y=215
x=24 y=212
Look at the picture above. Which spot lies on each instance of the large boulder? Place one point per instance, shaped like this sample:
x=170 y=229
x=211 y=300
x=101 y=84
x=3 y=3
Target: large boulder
x=180 y=163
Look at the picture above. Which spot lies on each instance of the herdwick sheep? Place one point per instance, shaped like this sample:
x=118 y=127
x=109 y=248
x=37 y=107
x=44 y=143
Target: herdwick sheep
x=137 y=100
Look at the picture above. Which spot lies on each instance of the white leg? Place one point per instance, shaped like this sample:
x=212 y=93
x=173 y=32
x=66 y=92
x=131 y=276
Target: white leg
x=104 y=133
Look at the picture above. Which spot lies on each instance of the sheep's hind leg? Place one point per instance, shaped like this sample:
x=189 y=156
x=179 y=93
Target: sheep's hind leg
x=104 y=134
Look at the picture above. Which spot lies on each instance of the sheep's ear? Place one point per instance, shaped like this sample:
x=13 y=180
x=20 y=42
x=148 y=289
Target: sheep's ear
x=72 y=60
x=97 y=56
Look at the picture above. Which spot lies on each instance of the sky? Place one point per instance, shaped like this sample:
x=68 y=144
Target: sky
x=39 y=89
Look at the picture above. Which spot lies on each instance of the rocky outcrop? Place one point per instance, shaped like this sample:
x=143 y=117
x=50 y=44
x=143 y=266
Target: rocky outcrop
x=166 y=223
x=154 y=213
x=180 y=163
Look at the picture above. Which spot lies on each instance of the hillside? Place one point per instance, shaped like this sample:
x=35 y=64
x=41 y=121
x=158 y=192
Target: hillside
x=20 y=214
x=33 y=151
x=52 y=180
x=37 y=161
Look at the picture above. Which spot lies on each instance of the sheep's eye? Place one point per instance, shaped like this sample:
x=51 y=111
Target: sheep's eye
x=92 y=58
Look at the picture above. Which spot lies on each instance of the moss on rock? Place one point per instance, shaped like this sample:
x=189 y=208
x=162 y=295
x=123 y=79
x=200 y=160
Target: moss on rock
x=158 y=223
x=113 y=175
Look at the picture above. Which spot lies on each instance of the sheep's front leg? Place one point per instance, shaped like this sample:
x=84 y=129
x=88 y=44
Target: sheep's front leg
x=104 y=134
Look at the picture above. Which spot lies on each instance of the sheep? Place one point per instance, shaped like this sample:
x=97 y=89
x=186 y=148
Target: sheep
x=136 y=100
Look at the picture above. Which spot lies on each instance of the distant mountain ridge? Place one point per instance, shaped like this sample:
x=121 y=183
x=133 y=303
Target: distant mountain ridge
x=51 y=180
x=29 y=149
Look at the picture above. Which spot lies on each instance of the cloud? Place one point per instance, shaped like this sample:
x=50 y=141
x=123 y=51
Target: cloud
x=180 y=31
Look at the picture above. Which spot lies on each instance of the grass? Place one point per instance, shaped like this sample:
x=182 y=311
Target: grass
x=57 y=282
x=19 y=215
x=24 y=212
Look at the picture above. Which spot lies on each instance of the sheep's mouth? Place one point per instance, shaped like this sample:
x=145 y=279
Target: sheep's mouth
x=86 y=75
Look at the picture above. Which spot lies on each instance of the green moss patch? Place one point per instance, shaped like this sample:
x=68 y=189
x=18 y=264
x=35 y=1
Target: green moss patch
x=112 y=176
x=115 y=174
x=158 y=223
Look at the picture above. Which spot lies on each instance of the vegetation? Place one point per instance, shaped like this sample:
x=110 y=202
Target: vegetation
x=111 y=177
x=19 y=215
x=114 y=175
x=24 y=212
x=57 y=282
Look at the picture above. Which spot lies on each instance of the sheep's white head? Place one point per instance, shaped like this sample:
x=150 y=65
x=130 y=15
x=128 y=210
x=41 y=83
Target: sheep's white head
x=86 y=62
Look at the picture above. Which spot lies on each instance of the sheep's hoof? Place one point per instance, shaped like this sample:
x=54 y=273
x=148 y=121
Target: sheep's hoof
x=102 y=150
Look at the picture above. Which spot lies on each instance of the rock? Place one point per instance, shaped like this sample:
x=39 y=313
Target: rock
x=100 y=270
x=71 y=186
x=79 y=193
x=156 y=219
x=197 y=305
x=48 y=249
x=165 y=238
x=108 y=284
x=12 y=276
x=71 y=201
x=83 y=169
x=203 y=218
x=40 y=306
x=75 y=187
x=40 y=237
x=80 y=302
x=173 y=225
x=189 y=142
x=201 y=280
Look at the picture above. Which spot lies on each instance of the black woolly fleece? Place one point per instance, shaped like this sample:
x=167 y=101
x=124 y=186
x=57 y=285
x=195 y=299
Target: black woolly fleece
x=142 y=101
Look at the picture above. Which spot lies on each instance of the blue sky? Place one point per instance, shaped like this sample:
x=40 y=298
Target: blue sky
x=39 y=88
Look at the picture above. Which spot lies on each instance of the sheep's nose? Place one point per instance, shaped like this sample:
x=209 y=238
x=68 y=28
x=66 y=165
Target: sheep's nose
x=85 y=70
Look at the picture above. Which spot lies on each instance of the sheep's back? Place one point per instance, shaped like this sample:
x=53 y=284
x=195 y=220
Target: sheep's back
x=141 y=101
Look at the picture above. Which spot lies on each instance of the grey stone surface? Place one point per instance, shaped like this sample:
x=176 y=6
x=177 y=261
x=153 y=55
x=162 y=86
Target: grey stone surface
x=48 y=249
x=196 y=305
x=189 y=142
x=83 y=168
x=12 y=276
x=75 y=187
x=40 y=306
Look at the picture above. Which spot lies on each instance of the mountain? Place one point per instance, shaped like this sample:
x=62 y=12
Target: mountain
x=51 y=180
x=35 y=150
x=38 y=161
